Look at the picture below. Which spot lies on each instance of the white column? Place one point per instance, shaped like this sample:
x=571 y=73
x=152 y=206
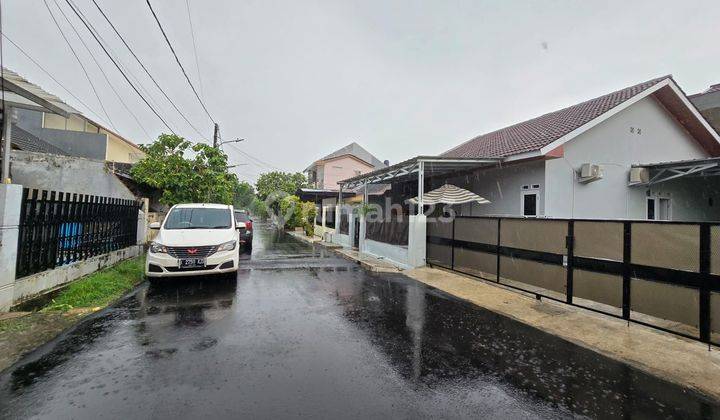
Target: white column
x=417 y=229
x=361 y=241
x=421 y=187
x=417 y=240
x=143 y=222
x=10 y=201
x=351 y=228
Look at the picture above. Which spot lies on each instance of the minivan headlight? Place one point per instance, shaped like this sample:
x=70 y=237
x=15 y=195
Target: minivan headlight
x=157 y=248
x=227 y=246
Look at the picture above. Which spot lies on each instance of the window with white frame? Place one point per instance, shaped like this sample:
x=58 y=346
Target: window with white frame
x=530 y=201
x=658 y=208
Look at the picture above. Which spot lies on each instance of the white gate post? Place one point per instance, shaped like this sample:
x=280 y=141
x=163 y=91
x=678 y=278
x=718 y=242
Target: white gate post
x=417 y=228
x=10 y=202
x=361 y=241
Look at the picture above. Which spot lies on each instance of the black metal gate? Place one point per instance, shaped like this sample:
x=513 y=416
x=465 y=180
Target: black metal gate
x=660 y=274
x=356 y=237
x=58 y=228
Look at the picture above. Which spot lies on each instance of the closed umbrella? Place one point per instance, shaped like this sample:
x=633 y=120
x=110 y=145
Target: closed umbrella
x=450 y=194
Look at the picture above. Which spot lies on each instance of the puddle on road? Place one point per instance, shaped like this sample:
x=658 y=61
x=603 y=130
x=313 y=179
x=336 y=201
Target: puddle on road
x=443 y=343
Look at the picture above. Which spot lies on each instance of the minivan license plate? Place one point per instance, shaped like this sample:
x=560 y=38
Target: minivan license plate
x=191 y=262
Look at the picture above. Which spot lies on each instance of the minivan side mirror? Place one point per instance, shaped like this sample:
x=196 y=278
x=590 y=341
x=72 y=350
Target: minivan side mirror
x=154 y=225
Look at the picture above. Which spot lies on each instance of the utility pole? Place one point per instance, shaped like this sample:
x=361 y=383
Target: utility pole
x=216 y=135
x=7 y=114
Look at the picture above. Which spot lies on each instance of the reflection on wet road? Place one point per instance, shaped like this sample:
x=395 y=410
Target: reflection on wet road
x=302 y=333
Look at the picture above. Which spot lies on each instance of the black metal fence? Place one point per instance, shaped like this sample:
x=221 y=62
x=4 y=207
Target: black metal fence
x=330 y=217
x=58 y=228
x=393 y=231
x=344 y=227
x=662 y=274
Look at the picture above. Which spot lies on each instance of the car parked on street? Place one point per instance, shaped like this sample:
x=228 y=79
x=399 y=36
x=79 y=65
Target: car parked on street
x=194 y=239
x=245 y=228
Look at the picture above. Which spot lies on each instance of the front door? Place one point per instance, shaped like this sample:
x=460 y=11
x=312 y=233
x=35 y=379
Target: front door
x=356 y=237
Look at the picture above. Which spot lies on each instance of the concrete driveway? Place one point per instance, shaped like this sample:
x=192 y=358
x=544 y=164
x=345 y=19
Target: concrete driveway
x=302 y=333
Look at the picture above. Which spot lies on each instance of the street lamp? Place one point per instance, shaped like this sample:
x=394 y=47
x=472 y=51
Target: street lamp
x=230 y=141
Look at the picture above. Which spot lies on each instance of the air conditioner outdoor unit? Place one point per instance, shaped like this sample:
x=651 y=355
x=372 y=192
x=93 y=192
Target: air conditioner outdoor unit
x=589 y=173
x=639 y=176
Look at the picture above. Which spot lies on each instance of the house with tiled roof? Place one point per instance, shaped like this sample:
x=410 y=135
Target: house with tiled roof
x=55 y=147
x=597 y=159
x=324 y=175
x=708 y=103
x=644 y=152
x=349 y=160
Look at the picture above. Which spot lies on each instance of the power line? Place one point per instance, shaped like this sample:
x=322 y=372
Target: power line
x=146 y=70
x=87 y=76
x=29 y=57
x=82 y=41
x=192 y=33
x=118 y=67
x=107 y=45
x=178 y=62
x=257 y=161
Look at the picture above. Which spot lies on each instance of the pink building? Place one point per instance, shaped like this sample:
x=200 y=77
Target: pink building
x=347 y=162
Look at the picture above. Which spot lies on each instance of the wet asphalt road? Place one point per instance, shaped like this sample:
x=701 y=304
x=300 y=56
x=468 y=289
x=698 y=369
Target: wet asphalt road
x=302 y=333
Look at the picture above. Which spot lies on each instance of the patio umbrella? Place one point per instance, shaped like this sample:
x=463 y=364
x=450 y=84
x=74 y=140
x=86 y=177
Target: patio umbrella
x=450 y=194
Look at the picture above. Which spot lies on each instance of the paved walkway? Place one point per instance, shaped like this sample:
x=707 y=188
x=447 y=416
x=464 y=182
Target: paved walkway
x=673 y=358
x=368 y=262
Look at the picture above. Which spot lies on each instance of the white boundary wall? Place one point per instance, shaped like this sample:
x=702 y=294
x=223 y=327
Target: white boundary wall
x=39 y=283
x=10 y=199
x=410 y=256
x=14 y=291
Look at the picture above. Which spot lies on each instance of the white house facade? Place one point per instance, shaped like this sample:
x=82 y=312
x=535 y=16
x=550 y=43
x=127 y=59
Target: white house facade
x=640 y=153
x=655 y=124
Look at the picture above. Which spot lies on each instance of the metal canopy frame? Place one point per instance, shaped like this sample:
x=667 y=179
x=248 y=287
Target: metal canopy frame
x=663 y=172
x=431 y=165
x=405 y=171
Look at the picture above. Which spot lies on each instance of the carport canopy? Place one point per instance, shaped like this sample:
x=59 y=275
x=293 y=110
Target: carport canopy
x=665 y=171
x=418 y=167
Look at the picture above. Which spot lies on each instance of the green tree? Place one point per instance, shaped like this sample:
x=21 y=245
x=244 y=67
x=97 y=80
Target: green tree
x=244 y=195
x=200 y=178
x=296 y=213
x=279 y=182
x=291 y=211
x=259 y=208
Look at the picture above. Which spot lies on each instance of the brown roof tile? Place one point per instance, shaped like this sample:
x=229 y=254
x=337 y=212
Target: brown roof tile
x=538 y=132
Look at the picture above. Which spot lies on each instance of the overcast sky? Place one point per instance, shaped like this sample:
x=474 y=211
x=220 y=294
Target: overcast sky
x=300 y=79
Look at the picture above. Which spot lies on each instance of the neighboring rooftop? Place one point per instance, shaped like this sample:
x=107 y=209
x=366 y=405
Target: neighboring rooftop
x=20 y=92
x=23 y=140
x=711 y=89
x=708 y=102
x=538 y=132
x=23 y=93
x=356 y=150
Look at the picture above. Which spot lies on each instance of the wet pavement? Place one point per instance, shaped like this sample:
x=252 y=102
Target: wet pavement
x=302 y=333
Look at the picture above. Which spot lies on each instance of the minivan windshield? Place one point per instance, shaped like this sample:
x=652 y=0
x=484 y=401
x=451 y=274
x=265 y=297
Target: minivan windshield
x=241 y=216
x=198 y=218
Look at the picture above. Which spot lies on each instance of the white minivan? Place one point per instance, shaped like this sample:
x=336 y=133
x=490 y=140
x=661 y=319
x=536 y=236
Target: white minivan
x=194 y=239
